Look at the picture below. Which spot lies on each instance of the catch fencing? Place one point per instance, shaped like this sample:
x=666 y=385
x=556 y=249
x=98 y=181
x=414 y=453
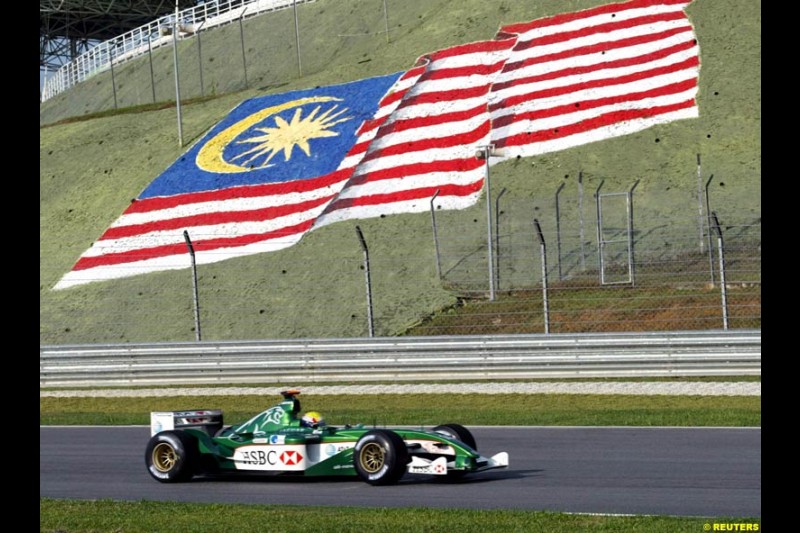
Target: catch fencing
x=665 y=275
x=647 y=272
x=710 y=353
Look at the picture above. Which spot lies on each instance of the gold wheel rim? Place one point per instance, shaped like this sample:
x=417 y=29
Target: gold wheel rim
x=372 y=457
x=164 y=457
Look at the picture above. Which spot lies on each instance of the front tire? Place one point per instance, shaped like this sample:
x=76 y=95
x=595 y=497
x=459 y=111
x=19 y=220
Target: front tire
x=457 y=432
x=460 y=433
x=380 y=457
x=171 y=456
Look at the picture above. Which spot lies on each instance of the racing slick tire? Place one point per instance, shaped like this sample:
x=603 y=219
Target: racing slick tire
x=457 y=432
x=380 y=457
x=171 y=456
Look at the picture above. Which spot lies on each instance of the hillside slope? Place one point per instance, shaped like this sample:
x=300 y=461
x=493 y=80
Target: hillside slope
x=90 y=171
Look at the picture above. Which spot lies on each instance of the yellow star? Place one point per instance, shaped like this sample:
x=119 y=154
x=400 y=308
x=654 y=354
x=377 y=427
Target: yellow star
x=284 y=136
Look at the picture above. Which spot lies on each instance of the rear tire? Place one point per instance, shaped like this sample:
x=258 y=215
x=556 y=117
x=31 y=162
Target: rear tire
x=171 y=456
x=380 y=457
x=457 y=432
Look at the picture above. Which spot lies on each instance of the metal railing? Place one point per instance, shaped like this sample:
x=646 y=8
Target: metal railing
x=684 y=353
x=145 y=39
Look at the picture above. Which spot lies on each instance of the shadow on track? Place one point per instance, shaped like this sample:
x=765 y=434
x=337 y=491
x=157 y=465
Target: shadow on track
x=408 y=479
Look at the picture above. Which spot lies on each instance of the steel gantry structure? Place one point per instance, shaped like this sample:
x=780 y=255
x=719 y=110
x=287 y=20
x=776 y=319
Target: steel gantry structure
x=67 y=28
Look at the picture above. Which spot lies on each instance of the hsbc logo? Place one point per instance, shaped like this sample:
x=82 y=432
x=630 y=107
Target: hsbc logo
x=291 y=457
x=270 y=457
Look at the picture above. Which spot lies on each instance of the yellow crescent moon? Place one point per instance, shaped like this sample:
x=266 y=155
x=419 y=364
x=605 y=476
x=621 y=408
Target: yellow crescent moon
x=209 y=158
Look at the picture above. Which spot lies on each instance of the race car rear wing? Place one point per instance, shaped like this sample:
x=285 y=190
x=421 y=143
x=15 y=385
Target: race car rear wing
x=208 y=420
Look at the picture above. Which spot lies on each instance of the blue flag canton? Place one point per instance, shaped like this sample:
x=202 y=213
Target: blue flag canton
x=280 y=138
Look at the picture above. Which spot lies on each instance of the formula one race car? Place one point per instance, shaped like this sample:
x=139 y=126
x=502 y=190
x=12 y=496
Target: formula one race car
x=279 y=441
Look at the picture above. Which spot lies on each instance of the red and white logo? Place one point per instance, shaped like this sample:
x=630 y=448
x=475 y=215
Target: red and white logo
x=291 y=457
x=439 y=469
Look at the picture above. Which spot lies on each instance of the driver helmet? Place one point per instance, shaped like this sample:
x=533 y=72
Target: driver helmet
x=312 y=419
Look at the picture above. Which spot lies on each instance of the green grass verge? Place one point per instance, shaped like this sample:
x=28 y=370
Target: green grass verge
x=71 y=516
x=431 y=409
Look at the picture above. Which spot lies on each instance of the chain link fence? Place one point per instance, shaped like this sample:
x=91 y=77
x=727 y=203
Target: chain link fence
x=614 y=262
x=664 y=277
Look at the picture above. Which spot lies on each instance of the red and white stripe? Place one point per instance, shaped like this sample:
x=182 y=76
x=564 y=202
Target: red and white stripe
x=429 y=142
x=538 y=87
x=577 y=78
x=225 y=223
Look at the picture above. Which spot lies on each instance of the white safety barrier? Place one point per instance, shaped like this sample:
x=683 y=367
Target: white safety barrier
x=684 y=353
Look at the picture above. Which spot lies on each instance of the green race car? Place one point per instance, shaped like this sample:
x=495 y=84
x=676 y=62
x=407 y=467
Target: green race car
x=280 y=441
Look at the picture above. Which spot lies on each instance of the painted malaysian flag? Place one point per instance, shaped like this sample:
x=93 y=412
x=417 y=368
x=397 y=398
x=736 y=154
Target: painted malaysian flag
x=279 y=166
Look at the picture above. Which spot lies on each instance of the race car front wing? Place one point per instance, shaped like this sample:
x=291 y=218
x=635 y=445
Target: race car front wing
x=440 y=466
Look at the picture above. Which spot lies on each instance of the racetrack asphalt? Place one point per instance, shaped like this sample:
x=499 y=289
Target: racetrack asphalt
x=625 y=470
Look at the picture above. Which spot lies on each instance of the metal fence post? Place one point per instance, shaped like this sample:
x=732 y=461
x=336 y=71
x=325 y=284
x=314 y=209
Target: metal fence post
x=244 y=57
x=631 y=259
x=710 y=225
x=545 y=303
x=436 y=236
x=723 y=287
x=497 y=237
x=484 y=152
x=599 y=224
x=111 y=47
x=194 y=287
x=580 y=216
x=200 y=59
x=152 y=76
x=700 y=203
x=369 y=281
x=297 y=38
x=177 y=77
x=386 y=20
x=43 y=90
x=558 y=230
